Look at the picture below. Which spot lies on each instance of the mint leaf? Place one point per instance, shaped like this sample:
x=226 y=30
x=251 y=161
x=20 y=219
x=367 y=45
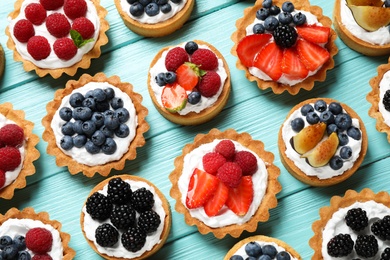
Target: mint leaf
x=78 y=39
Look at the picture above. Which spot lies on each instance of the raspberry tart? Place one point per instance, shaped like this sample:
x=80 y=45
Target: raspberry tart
x=17 y=150
x=95 y=124
x=126 y=217
x=154 y=18
x=283 y=45
x=225 y=183
x=56 y=37
x=29 y=235
x=190 y=83
x=2 y=61
x=322 y=142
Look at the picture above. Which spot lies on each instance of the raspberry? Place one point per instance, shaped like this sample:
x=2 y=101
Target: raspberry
x=210 y=84
x=247 y=161
x=11 y=135
x=51 y=4
x=75 y=8
x=38 y=47
x=212 y=162
x=84 y=27
x=205 y=59
x=230 y=174
x=57 y=25
x=65 y=48
x=2 y=178
x=23 y=30
x=340 y=245
x=226 y=148
x=356 y=219
x=39 y=240
x=42 y=257
x=175 y=57
x=9 y=158
x=35 y=13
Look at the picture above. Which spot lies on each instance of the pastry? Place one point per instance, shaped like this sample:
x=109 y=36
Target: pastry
x=358 y=220
x=56 y=37
x=225 y=183
x=363 y=25
x=95 y=124
x=283 y=45
x=17 y=150
x=256 y=246
x=35 y=236
x=190 y=83
x=2 y=61
x=322 y=142
x=152 y=18
x=126 y=217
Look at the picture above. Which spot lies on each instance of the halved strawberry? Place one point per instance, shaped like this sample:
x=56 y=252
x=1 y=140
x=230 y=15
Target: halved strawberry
x=202 y=186
x=292 y=66
x=311 y=54
x=187 y=75
x=314 y=33
x=269 y=60
x=250 y=46
x=240 y=198
x=216 y=202
x=174 y=97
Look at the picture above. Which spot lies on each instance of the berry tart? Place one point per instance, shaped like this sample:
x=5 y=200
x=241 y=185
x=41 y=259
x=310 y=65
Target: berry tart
x=190 y=83
x=257 y=246
x=29 y=235
x=17 y=150
x=322 y=142
x=154 y=18
x=2 y=61
x=126 y=217
x=356 y=226
x=95 y=124
x=225 y=183
x=57 y=36
x=283 y=45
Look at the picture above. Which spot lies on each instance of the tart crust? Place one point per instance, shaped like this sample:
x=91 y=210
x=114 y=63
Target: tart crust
x=2 y=61
x=194 y=118
x=73 y=166
x=29 y=213
x=84 y=63
x=313 y=180
x=31 y=153
x=159 y=29
x=165 y=205
x=278 y=88
x=269 y=200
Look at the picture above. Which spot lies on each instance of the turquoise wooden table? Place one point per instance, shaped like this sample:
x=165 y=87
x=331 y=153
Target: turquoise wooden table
x=260 y=113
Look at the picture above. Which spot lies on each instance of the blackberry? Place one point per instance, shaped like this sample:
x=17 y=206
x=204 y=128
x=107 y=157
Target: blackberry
x=385 y=254
x=366 y=246
x=98 y=206
x=381 y=228
x=106 y=235
x=285 y=36
x=123 y=216
x=133 y=239
x=119 y=192
x=386 y=100
x=149 y=221
x=340 y=245
x=142 y=200
x=356 y=219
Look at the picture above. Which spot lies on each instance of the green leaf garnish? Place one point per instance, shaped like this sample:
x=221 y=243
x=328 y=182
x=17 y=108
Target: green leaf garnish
x=78 y=39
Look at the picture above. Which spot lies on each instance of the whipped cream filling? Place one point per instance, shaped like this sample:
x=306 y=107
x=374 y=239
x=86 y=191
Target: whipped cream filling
x=204 y=102
x=52 y=61
x=241 y=250
x=90 y=225
x=384 y=85
x=336 y=225
x=225 y=217
x=80 y=154
x=13 y=227
x=324 y=172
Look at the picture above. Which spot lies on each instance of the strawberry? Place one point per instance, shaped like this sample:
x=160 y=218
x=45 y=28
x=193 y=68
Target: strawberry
x=230 y=174
x=201 y=188
x=75 y=8
x=250 y=46
x=84 y=26
x=292 y=65
x=240 y=198
x=51 y=4
x=42 y=257
x=9 y=158
x=11 y=135
x=2 y=178
x=247 y=161
x=174 y=97
x=212 y=161
x=23 y=30
x=38 y=47
x=175 y=57
x=205 y=59
x=226 y=148
x=65 y=48
x=217 y=201
x=209 y=84
x=57 y=25
x=35 y=13
x=187 y=75
x=312 y=55
x=314 y=33
x=269 y=60
x=39 y=240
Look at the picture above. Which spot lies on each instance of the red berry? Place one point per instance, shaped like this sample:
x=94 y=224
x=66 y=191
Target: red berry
x=75 y=8
x=250 y=46
x=247 y=161
x=39 y=240
x=38 y=47
x=35 y=13
x=205 y=59
x=230 y=174
x=201 y=188
x=1 y=144
x=23 y=30
x=210 y=84
x=226 y=148
x=65 y=48
x=42 y=257
x=83 y=26
x=174 y=97
x=2 y=178
x=57 y=25
x=51 y=4
x=175 y=57
x=11 y=135
x=212 y=161
x=10 y=158
x=269 y=60
x=241 y=197
x=187 y=76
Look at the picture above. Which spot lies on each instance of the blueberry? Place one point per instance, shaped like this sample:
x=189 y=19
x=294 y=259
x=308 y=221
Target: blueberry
x=160 y=2
x=111 y=122
x=65 y=113
x=102 y=106
x=116 y=103
x=343 y=139
x=194 y=97
x=89 y=127
x=312 y=118
x=24 y=255
x=99 y=94
x=299 y=18
x=144 y=2
x=297 y=124
x=274 y=10
x=122 y=131
x=131 y=1
x=267 y=3
x=320 y=105
x=110 y=93
x=90 y=103
x=5 y=241
x=285 y=18
x=336 y=162
x=78 y=127
x=327 y=117
x=191 y=47
x=122 y=114
x=107 y=132
x=335 y=108
x=160 y=79
x=345 y=152
x=67 y=128
x=331 y=128
x=152 y=9
x=79 y=140
x=166 y=8
x=82 y=113
x=76 y=99
x=387 y=3
x=98 y=119
x=109 y=113
x=236 y=257
x=258 y=28
x=265 y=257
x=91 y=148
x=66 y=142
x=10 y=252
x=262 y=14
x=343 y=121
x=354 y=133
x=306 y=109
x=89 y=94
x=283 y=255
x=109 y=146
x=176 y=1
x=136 y=9
x=288 y=6
x=170 y=77
x=253 y=249
x=269 y=250
x=251 y=258
x=270 y=23
x=98 y=138
x=20 y=242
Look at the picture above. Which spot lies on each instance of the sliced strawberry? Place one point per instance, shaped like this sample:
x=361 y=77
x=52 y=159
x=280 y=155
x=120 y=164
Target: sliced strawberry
x=187 y=75
x=314 y=33
x=311 y=54
x=269 y=60
x=240 y=198
x=174 y=97
x=202 y=187
x=250 y=46
x=216 y=202
x=292 y=66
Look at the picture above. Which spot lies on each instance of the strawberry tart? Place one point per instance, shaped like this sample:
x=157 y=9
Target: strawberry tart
x=95 y=124
x=17 y=150
x=322 y=142
x=2 y=61
x=225 y=183
x=190 y=83
x=126 y=217
x=56 y=36
x=154 y=18
x=283 y=45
